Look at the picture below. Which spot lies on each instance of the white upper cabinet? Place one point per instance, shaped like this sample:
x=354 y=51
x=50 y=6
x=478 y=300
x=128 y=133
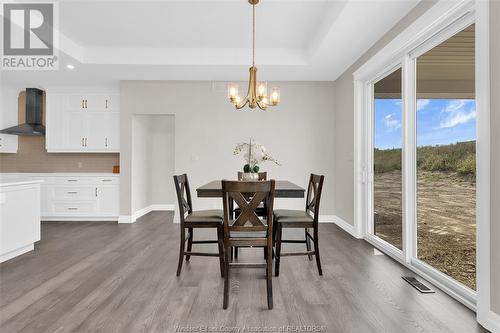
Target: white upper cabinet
x=83 y=122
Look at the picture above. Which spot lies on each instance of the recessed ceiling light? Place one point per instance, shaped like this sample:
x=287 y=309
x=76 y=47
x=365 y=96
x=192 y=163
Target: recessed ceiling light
x=70 y=66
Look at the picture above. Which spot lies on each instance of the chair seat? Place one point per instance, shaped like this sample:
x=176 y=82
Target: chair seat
x=292 y=216
x=205 y=216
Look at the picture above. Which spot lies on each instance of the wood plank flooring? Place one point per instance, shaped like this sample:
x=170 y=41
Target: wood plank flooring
x=106 y=277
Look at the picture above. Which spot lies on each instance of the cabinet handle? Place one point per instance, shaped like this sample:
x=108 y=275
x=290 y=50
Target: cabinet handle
x=86 y=104
x=106 y=104
x=72 y=192
x=107 y=180
x=96 y=192
x=106 y=142
x=72 y=208
x=83 y=142
x=83 y=104
x=72 y=180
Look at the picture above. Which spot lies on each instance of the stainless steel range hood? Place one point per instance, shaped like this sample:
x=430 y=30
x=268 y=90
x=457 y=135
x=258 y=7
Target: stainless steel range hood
x=34 y=116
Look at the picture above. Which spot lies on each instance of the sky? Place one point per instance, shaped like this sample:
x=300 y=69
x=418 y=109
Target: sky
x=439 y=122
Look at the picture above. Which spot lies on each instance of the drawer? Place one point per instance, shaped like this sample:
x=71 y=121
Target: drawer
x=74 y=193
x=107 y=180
x=74 y=208
x=73 y=180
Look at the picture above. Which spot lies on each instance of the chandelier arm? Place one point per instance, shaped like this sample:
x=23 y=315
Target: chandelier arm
x=262 y=106
x=242 y=104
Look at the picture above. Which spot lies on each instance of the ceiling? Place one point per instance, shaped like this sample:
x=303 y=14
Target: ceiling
x=307 y=40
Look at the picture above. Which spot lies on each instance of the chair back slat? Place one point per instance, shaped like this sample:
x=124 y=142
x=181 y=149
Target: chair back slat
x=183 y=195
x=313 y=197
x=248 y=195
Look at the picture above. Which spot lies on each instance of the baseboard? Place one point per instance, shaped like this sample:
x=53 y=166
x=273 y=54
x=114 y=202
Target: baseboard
x=80 y=219
x=492 y=323
x=17 y=252
x=143 y=211
x=347 y=227
x=326 y=219
x=125 y=219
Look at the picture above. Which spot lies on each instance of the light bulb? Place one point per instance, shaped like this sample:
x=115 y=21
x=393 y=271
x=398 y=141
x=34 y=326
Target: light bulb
x=275 y=96
x=261 y=90
x=232 y=92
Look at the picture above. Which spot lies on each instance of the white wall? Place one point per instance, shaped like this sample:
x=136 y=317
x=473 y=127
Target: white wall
x=162 y=166
x=299 y=133
x=141 y=167
x=152 y=152
x=344 y=119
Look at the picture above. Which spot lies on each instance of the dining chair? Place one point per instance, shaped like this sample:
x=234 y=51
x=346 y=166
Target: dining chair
x=248 y=229
x=285 y=218
x=192 y=220
x=260 y=210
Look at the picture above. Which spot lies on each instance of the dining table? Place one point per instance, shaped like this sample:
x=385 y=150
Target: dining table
x=283 y=189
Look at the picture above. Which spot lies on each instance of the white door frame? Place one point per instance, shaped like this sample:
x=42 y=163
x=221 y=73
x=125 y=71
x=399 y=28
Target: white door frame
x=442 y=19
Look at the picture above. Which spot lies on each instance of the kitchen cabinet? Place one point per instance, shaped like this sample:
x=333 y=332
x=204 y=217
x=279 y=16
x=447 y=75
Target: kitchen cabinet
x=19 y=222
x=80 y=122
x=79 y=197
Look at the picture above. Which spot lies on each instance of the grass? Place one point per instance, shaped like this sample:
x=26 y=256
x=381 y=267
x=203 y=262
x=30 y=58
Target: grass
x=459 y=158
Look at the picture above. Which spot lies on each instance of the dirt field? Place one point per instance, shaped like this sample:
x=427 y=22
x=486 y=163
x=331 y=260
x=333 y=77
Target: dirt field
x=446 y=220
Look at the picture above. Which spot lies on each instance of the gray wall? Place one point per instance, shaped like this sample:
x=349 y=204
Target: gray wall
x=495 y=154
x=299 y=133
x=152 y=153
x=344 y=120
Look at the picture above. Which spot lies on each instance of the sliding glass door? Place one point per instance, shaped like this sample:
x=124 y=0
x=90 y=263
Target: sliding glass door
x=446 y=158
x=422 y=155
x=387 y=139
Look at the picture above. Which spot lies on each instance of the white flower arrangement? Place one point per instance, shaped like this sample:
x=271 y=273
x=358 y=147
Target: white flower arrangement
x=254 y=155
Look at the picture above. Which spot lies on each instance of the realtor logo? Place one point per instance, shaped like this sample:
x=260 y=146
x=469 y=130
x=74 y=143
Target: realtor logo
x=29 y=36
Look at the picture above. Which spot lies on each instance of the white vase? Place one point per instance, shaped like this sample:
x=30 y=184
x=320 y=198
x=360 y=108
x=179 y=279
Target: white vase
x=250 y=176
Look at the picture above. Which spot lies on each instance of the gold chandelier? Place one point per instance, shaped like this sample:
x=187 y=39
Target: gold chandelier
x=257 y=91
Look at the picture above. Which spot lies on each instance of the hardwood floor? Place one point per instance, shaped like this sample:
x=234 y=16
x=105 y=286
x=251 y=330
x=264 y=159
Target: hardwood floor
x=106 y=277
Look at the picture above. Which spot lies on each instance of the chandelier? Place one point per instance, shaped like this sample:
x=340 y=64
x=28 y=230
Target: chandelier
x=257 y=91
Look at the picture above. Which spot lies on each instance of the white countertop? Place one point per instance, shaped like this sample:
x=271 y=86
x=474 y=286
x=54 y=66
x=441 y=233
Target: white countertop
x=14 y=181
x=59 y=174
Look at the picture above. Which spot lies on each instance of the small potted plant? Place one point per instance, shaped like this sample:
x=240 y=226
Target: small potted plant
x=255 y=154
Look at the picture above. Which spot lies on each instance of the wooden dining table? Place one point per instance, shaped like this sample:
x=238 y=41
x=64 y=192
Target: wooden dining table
x=283 y=189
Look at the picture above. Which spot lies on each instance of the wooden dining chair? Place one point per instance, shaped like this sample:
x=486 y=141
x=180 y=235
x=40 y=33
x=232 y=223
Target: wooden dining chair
x=248 y=229
x=260 y=210
x=192 y=220
x=285 y=218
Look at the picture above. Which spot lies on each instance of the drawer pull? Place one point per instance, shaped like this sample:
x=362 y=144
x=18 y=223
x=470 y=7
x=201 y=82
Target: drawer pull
x=72 y=180
x=72 y=192
x=107 y=180
x=72 y=208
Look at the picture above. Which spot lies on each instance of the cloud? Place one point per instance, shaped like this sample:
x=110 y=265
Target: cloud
x=422 y=103
x=391 y=123
x=459 y=111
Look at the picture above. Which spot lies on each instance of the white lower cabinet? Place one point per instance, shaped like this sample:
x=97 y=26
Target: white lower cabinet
x=79 y=197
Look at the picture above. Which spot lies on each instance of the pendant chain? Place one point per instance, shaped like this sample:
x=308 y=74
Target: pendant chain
x=253 y=34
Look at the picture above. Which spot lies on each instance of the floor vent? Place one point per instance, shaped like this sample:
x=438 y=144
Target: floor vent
x=418 y=285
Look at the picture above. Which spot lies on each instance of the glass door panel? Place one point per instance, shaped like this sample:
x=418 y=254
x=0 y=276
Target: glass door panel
x=387 y=139
x=446 y=158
